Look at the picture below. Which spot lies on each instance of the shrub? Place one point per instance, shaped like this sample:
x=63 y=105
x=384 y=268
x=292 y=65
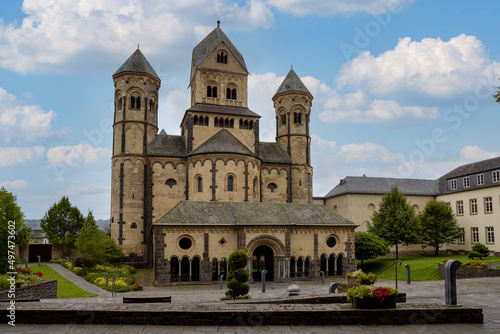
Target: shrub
x=366 y=279
x=4 y=284
x=237 y=277
x=475 y=264
x=67 y=264
x=479 y=251
x=78 y=271
x=81 y=261
x=131 y=270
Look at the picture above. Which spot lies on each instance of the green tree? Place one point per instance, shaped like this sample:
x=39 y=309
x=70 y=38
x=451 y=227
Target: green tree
x=10 y=212
x=439 y=225
x=478 y=251
x=395 y=221
x=62 y=223
x=369 y=246
x=95 y=246
x=238 y=276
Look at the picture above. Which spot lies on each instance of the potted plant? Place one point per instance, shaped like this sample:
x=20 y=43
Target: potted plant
x=371 y=297
x=358 y=277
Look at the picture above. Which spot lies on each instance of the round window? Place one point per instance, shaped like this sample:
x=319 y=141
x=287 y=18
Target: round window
x=185 y=243
x=331 y=242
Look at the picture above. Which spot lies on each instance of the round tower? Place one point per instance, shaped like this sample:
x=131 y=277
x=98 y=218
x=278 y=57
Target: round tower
x=292 y=104
x=135 y=126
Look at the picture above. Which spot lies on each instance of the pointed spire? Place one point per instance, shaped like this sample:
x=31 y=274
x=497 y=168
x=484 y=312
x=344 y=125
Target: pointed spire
x=291 y=83
x=137 y=63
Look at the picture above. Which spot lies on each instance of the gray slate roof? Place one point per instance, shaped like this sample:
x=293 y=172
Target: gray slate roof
x=292 y=83
x=469 y=169
x=167 y=146
x=273 y=153
x=225 y=110
x=137 y=63
x=381 y=185
x=240 y=213
x=210 y=43
x=222 y=142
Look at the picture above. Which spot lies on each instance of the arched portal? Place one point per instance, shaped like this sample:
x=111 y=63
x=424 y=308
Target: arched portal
x=263 y=259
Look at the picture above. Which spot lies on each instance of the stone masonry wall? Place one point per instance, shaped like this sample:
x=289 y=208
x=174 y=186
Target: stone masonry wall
x=45 y=289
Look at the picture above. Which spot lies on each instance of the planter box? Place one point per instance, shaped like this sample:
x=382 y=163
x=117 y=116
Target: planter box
x=468 y=272
x=351 y=282
x=373 y=303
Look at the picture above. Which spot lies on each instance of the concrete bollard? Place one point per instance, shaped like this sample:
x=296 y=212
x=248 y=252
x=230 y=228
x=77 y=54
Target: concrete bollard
x=407 y=266
x=450 y=282
x=221 y=279
x=26 y=262
x=38 y=259
x=332 y=288
x=107 y=278
x=263 y=279
x=322 y=276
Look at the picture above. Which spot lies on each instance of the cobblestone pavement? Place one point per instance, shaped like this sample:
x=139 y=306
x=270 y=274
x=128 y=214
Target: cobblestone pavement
x=480 y=293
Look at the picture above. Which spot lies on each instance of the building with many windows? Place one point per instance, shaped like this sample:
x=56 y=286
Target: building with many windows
x=472 y=190
x=183 y=203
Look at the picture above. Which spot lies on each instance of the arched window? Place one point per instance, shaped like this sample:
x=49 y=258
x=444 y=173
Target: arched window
x=226 y=123
x=138 y=103
x=214 y=91
x=272 y=186
x=222 y=57
x=151 y=105
x=199 y=182
x=245 y=124
x=206 y=121
x=132 y=102
x=241 y=124
x=255 y=185
x=250 y=125
x=230 y=183
x=209 y=91
x=233 y=94
x=120 y=103
x=231 y=123
x=283 y=119
x=171 y=183
x=228 y=93
x=195 y=120
x=216 y=122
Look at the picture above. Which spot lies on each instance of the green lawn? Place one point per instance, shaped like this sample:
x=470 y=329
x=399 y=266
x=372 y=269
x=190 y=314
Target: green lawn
x=422 y=268
x=65 y=288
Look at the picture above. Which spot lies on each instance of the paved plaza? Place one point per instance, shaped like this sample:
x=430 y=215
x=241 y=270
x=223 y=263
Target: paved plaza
x=477 y=293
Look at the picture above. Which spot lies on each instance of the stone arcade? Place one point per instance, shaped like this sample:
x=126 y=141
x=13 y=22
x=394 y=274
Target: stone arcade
x=182 y=204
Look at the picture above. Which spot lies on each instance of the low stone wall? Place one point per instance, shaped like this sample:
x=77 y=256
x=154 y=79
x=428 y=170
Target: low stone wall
x=467 y=272
x=328 y=299
x=45 y=289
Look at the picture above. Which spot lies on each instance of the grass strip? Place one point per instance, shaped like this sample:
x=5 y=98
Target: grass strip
x=65 y=288
x=422 y=267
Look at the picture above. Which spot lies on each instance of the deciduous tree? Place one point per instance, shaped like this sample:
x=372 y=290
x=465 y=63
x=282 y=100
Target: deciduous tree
x=395 y=221
x=439 y=225
x=11 y=212
x=369 y=246
x=62 y=223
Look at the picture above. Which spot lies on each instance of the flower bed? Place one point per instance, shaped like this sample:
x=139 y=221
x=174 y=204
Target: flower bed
x=472 y=271
x=371 y=297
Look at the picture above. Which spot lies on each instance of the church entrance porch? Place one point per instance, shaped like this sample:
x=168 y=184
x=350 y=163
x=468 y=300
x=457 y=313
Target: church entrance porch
x=263 y=259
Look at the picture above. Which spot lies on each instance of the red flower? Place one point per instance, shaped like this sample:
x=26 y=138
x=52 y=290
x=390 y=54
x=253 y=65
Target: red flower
x=381 y=293
x=39 y=274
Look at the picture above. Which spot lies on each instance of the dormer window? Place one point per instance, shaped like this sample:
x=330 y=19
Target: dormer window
x=222 y=57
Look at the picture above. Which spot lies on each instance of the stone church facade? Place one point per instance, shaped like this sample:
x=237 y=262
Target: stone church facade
x=182 y=204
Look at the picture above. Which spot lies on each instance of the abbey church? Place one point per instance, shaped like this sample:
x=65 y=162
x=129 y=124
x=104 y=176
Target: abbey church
x=182 y=204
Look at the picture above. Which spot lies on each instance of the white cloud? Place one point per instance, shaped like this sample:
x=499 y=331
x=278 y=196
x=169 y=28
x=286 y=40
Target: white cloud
x=172 y=110
x=14 y=185
x=474 y=153
x=57 y=35
x=14 y=156
x=354 y=108
x=76 y=156
x=323 y=8
x=431 y=67
x=22 y=123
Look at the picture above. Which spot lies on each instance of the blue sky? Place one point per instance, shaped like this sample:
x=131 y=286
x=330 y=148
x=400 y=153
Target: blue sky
x=402 y=88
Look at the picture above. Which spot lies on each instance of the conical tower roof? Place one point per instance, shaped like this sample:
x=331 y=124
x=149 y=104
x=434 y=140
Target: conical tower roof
x=209 y=43
x=137 y=63
x=292 y=83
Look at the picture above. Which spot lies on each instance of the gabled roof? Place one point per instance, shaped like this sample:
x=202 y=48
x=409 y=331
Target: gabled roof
x=292 y=83
x=222 y=142
x=137 y=63
x=382 y=185
x=469 y=169
x=241 y=213
x=167 y=146
x=273 y=153
x=211 y=42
